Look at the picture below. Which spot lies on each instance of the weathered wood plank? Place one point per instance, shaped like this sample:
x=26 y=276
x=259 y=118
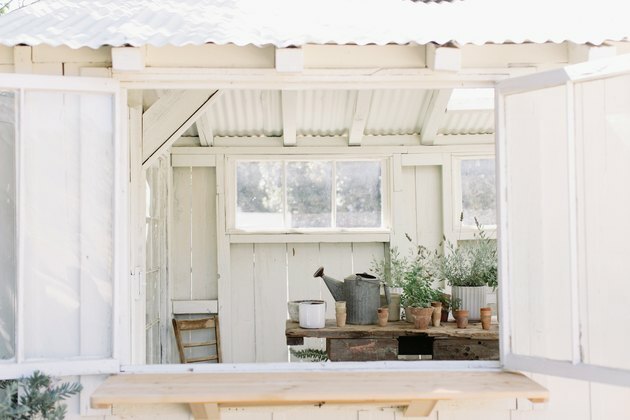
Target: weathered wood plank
x=362 y=349
x=465 y=349
x=393 y=329
x=204 y=236
x=181 y=235
x=242 y=309
x=270 y=287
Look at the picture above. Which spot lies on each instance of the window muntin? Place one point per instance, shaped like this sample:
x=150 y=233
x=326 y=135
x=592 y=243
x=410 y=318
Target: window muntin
x=313 y=194
x=8 y=116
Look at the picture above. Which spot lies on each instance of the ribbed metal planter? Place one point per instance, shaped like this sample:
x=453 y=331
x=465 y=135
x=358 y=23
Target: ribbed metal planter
x=472 y=299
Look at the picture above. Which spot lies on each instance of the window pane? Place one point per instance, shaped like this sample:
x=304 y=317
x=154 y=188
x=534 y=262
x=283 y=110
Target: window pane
x=359 y=194
x=7 y=225
x=68 y=164
x=259 y=200
x=478 y=192
x=309 y=194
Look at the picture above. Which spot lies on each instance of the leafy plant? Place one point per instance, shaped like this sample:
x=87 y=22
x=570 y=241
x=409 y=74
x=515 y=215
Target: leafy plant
x=474 y=264
x=310 y=354
x=391 y=269
x=35 y=397
x=456 y=304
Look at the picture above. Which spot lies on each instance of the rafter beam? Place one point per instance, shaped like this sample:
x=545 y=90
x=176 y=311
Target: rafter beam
x=289 y=117
x=204 y=127
x=361 y=110
x=170 y=117
x=444 y=58
x=434 y=116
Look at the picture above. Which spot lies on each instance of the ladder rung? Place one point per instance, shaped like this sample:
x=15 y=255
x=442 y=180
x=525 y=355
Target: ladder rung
x=201 y=359
x=200 y=344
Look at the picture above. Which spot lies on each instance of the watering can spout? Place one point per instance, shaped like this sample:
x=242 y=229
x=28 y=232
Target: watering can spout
x=335 y=286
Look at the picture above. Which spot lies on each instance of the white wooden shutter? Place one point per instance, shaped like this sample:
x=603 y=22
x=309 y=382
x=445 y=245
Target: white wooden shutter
x=70 y=212
x=564 y=169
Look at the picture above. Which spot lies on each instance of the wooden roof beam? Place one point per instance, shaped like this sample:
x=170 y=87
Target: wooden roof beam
x=361 y=110
x=289 y=117
x=444 y=58
x=170 y=117
x=204 y=127
x=436 y=112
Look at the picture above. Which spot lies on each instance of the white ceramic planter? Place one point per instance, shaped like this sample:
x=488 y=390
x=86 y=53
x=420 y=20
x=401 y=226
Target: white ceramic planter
x=312 y=314
x=473 y=299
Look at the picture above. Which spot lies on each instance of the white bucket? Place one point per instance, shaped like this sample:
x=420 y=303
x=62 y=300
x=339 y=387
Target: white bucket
x=313 y=314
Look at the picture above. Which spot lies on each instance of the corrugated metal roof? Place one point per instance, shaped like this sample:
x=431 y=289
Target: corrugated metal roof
x=255 y=113
x=282 y=23
x=468 y=122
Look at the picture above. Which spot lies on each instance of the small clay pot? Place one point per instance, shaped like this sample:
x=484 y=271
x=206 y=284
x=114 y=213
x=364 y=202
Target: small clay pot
x=421 y=317
x=383 y=315
x=461 y=317
x=444 y=315
x=437 y=313
x=340 y=316
x=340 y=304
x=486 y=317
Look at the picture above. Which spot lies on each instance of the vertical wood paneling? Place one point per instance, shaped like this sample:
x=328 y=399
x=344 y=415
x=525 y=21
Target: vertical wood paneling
x=181 y=235
x=303 y=260
x=404 y=211
x=337 y=261
x=429 y=205
x=204 y=235
x=364 y=253
x=242 y=304
x=270 y=287
x=609 y=402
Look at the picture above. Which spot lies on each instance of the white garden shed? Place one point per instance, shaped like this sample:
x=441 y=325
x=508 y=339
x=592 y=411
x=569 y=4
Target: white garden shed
x=135 y=137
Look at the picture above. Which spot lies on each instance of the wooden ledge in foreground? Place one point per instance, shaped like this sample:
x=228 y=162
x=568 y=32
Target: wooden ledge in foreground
x=419 y=392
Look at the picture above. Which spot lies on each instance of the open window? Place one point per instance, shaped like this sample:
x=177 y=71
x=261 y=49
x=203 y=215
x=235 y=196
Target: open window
x=563 y=154
x=61 y=222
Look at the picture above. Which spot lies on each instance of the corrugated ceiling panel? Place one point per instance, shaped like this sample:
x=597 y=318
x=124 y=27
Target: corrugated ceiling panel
x=325 y=112
x=396 y=111
x=93 y=23
x=247 y=113
x=468 y=122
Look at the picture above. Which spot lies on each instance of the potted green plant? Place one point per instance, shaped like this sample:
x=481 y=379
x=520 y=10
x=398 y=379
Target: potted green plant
x=469 y=270
x=392 y=271
x=417 y=289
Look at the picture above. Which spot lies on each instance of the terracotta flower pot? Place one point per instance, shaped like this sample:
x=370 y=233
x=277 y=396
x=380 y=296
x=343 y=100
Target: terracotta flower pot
x=437 y=313
x=444 y=315
x=486 y=317
x=383 y=315
x=461 y=317
x=340 y=317
x=421 y=317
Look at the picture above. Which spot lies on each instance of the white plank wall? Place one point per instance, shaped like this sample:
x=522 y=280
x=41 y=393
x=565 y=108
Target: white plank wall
x=266 y=276
x=194 y=257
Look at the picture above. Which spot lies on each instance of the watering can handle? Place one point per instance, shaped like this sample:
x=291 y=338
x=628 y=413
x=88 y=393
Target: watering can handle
x=387 y=296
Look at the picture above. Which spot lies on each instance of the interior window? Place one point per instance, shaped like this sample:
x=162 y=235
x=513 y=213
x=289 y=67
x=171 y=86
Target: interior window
x=7 y=224
x=478 y=199
x=300 y=194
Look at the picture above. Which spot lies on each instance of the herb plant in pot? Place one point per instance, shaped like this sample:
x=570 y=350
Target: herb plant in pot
x=391 y=270
x=417 y=290
x=469 y=270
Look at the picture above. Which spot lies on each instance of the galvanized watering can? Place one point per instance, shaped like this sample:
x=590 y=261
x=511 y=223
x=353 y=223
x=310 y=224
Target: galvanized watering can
x=362 y=293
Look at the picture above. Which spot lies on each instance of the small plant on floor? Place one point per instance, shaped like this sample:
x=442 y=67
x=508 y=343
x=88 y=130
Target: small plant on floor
x=35 y=397
x=310 y=355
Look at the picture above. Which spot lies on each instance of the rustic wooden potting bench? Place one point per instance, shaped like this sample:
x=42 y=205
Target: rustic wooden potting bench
x=401 y=340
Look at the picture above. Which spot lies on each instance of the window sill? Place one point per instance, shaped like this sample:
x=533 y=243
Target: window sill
x=309 y=237
x=417 y=392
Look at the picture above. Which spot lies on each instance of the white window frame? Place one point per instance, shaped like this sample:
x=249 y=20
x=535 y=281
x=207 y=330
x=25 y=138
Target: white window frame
x=231 y=195
x=568 y=77
x=18 y=366
x=464 y=232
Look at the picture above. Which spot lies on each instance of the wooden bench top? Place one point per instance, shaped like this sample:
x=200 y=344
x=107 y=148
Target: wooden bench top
x=393 y=329
x=418 y=391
